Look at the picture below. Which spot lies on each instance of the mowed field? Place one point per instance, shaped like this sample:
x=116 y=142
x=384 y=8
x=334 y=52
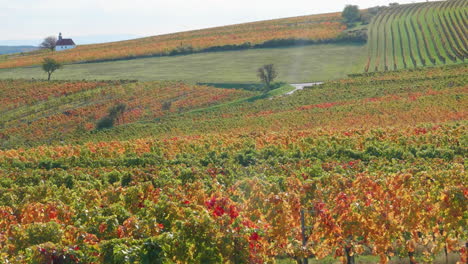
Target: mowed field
x=418 y=35
x=294 y=64
x=324 y=27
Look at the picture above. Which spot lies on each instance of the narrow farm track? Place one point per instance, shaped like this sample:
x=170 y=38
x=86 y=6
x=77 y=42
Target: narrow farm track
x=418 y=35
x=301 y=86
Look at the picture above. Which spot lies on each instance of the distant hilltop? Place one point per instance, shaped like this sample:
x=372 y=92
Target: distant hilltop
x=16 y=49
x=80 y=40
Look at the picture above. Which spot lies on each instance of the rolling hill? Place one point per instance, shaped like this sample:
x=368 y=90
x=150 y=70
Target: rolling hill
x=418 y=35
x=314 y=28
x=40 y=105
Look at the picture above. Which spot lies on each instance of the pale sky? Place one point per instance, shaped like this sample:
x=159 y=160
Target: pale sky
x=35 y=19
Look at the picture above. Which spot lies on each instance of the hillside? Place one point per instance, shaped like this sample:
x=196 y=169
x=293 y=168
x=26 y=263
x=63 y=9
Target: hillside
x=319 y=62
x=418 y=35
x=328 y=105
x=34 y=111
x=316 y=28
x=376 y=160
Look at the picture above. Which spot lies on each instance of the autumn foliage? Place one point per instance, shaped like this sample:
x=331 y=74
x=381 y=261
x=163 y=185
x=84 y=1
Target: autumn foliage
x=377 y=162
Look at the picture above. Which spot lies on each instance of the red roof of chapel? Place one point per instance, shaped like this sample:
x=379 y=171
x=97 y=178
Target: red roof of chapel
x=64 y=42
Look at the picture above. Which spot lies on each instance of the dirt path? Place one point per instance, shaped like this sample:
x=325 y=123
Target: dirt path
x=300 y=86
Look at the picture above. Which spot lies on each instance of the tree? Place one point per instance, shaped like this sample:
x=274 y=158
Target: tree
x=105 y=122
x=351 y=14
x=49 y=43
x=50 y=65
x=267 y=74
x=117 y=111
x=115 y=116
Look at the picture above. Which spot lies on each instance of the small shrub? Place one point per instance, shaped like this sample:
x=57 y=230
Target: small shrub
x=126 y=180
x=51 y=253
x=166 y=106
x=115 y=115
x=113 y=177
x=105 y=123
x=246 y=158
x=37 y=233
x=120 y=251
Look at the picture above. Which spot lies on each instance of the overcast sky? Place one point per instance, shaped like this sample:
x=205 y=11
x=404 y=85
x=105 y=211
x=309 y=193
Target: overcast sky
x=35 y=19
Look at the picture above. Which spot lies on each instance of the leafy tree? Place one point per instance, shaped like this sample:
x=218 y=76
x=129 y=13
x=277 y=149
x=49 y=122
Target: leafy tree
x=351 y=14
x=267 y=74
x=49 y=43
x=50 y=65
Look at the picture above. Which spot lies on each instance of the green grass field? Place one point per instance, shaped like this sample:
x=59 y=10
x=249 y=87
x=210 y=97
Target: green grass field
x=294 y=64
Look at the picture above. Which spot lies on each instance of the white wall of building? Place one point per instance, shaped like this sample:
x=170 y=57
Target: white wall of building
x=60 y=48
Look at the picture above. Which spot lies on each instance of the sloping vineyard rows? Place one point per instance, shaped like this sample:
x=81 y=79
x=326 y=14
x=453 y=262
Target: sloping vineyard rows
x=457 y=24
x=413 y=42
x=418 y=35
x=400 y=41
x=37 y=109
x=434 y=43
x=74 y=116
x=450 y=35
x=433 y=23
x=451 y=15
x=422 y=38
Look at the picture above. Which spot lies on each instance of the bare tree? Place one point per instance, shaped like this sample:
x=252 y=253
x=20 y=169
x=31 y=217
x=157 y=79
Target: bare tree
x=49 y=43
x=267 y=74
x=50 y=65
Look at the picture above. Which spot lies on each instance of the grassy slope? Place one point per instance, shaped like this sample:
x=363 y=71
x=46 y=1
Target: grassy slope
x=295 y=64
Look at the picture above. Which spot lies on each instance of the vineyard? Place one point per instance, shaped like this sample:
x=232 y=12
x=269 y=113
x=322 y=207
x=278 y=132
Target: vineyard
x=418 y=35
x=317 y=28
x=39 y=110
x=375 y=164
